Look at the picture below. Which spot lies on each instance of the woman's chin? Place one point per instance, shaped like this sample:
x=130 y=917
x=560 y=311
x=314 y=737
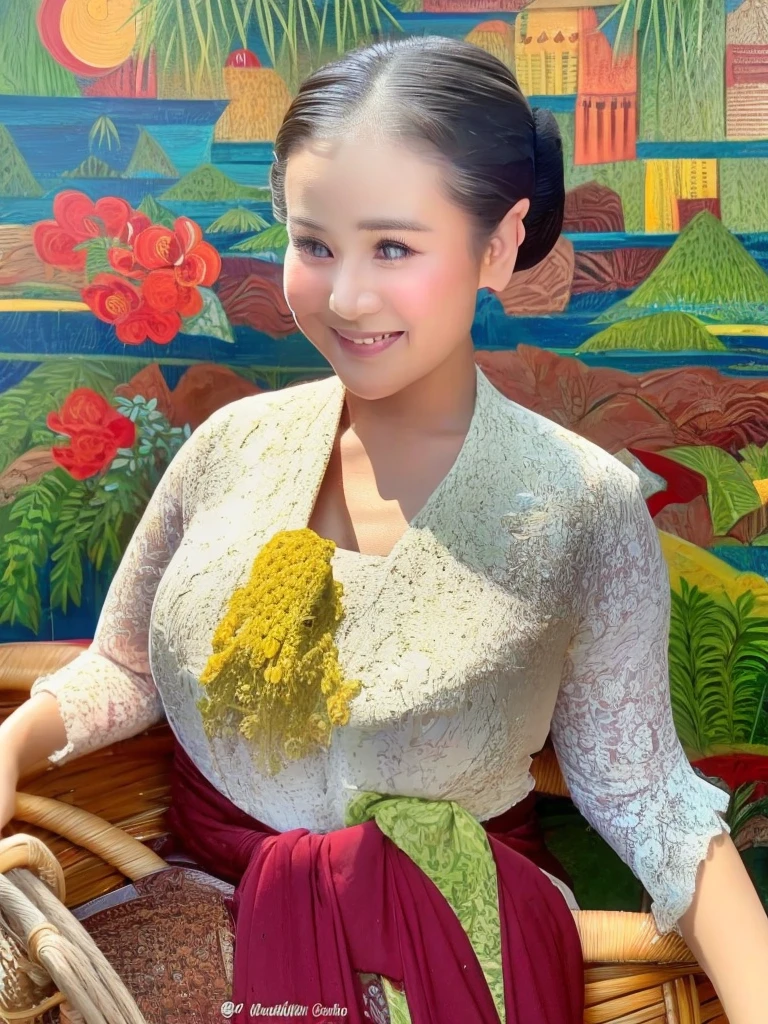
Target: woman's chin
x=365 y=386
x=367 y=377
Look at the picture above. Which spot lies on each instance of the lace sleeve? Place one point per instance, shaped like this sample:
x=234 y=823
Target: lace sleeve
x=108 y=694
x=613 y=729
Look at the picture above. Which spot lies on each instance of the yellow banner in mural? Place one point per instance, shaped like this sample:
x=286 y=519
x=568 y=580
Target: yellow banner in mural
x=667 y=181
x=546 y=52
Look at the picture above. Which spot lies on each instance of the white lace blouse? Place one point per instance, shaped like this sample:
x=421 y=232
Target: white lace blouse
x=529 y=594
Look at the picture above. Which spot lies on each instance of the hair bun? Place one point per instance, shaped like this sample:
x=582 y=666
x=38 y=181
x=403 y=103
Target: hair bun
x=544 y=221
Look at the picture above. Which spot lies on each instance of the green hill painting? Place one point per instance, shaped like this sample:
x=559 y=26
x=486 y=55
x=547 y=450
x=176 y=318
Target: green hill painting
x=16 y=179
x=708 y=272
x=92 y=167
x=149 y=160
x=208 y=183
x=660 y=332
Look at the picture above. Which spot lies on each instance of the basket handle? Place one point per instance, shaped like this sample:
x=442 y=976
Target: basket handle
x=23 y=851
x=52 y=939
x=114 y=846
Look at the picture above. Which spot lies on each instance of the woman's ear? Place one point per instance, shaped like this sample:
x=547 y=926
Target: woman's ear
x=501 y=251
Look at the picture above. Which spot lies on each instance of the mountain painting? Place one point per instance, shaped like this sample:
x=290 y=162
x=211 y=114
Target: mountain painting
x=136 y=135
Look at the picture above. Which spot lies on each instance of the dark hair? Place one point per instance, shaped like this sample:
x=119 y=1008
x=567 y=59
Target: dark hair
x=455 y=99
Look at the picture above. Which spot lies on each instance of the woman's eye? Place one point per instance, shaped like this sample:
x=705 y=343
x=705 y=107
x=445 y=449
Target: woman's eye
x=311 y=247
x=394 y=250
x=388 y=250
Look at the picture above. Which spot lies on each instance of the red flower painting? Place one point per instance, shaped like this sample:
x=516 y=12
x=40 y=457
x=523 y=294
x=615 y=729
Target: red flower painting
x=77 y=218
x=162 y=291
x=95 y=432
x=182 y=250
x=119 y=302
x=157 y=271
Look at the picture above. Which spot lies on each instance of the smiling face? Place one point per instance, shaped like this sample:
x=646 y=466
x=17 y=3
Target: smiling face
x=382 y=270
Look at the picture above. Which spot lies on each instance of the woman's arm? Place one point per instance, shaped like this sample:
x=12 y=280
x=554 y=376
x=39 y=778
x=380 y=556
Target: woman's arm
x=617 y=744
x=27 y=736
x=32 y=732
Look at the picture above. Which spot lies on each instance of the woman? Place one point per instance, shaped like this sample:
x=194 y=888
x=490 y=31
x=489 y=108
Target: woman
x=348 y=712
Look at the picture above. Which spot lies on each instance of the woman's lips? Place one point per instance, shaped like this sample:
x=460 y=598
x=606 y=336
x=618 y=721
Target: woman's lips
x=360 y=344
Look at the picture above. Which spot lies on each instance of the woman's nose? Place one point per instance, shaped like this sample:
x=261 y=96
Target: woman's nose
x=352 y=298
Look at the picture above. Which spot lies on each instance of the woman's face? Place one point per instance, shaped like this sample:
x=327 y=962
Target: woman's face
x=382 y=271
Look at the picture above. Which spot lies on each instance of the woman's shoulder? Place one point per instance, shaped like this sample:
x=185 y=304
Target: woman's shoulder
x=255 y=410
x=550 y=452
x=264 y=412
x=228 y=441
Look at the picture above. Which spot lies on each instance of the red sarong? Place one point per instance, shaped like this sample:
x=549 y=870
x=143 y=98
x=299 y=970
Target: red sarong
x=313 y=912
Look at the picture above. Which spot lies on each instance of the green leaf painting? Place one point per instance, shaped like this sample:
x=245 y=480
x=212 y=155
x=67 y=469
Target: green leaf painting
x=730 y=490
x=755 y=461
x=718 y=664
x=212 y=321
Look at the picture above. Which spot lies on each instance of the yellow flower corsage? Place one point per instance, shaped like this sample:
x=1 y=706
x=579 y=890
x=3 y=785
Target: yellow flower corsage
x=274 y=675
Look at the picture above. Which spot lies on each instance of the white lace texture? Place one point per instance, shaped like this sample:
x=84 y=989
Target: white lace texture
x=613 y=728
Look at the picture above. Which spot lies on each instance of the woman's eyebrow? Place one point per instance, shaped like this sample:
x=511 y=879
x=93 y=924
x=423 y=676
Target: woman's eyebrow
x=367 y=225
x=391 y=225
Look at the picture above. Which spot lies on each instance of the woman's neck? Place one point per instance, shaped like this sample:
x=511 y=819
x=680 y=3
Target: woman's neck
x=439 y=404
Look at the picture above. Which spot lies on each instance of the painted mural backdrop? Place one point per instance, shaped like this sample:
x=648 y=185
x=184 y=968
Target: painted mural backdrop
x=140 y=289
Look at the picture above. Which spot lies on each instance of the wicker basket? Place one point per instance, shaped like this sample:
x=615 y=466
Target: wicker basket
x=634 y=975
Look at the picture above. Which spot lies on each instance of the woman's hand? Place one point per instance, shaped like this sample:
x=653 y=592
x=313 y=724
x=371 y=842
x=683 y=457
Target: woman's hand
x=32 y=733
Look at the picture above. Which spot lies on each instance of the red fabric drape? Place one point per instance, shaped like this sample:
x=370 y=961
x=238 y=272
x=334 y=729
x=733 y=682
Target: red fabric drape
x=313 y=910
